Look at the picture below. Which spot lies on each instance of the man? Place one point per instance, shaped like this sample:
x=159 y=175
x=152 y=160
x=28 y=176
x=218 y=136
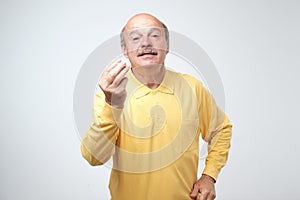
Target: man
x=150 y=119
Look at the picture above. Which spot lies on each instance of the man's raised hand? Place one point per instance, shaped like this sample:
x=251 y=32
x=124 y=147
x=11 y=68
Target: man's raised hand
x=113 y=83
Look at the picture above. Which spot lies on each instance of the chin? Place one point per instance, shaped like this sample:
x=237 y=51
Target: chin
x=149 y=64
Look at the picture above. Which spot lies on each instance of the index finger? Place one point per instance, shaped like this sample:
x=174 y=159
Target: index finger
x=111 y=73
x=119 y=77
x=113 y=65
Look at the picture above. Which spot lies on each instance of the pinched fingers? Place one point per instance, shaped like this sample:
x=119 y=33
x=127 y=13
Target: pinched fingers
x=110 y=73
x=112 y=76
x=114 y=65
x=118 y=96
x=113 y=83
x=120 y=76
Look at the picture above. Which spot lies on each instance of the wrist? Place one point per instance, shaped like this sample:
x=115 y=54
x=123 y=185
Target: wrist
x=205 y=176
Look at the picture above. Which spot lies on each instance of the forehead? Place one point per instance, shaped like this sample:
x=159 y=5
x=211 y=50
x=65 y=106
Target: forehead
x=143 y=21
x=147 y=30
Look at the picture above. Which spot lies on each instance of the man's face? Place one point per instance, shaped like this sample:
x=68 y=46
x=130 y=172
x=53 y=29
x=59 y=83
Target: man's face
x=145 y=42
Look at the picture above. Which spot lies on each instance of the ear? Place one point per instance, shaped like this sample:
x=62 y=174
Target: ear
x=167 y=49
x=124 y=50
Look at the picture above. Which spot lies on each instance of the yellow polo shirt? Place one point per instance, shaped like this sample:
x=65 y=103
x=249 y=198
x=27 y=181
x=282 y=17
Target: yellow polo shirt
x=154 y=139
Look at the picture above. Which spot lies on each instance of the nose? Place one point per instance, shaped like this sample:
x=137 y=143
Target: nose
x=146 y=42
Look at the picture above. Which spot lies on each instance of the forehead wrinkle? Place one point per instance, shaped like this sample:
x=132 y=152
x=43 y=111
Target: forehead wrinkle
x=149 y=30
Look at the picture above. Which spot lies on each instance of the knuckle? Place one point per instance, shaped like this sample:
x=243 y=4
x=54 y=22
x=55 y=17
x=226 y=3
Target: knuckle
x=105 y=75
x=110 y=75
x=113 y=84
x=103 y=83
x=204 y=192
x=100 y=82
x=212 y=194
x=196 y=186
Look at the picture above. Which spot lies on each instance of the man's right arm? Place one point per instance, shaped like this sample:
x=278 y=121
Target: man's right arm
x=98 y=144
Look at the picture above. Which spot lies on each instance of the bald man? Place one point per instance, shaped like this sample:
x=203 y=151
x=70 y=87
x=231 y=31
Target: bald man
x=149 y=119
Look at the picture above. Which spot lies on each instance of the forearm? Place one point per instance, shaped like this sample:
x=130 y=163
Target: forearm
x=218 y=150
x=98 y=144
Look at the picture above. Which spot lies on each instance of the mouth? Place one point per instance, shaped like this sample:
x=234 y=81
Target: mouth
x=147 y=52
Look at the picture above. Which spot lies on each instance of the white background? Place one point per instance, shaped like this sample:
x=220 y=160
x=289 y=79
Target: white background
x=43 y=44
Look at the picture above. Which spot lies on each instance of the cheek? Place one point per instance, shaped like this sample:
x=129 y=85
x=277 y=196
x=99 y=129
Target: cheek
x=161 y=45
x=132 y=47
x=131 y=55
x=132 y=58
x=163 y=53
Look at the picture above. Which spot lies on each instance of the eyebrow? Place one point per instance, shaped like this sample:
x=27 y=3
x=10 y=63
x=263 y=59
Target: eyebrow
x=150 y=30
x=133 y=32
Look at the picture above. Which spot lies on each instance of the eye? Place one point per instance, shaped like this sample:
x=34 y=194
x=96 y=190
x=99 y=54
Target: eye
x=154 y=35
x=135 y=38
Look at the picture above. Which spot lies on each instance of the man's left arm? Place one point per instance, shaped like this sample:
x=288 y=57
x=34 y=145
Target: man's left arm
x=216 y=130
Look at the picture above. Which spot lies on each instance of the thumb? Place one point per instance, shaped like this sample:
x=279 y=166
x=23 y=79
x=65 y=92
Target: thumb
x=123 y=82
x=195 y=191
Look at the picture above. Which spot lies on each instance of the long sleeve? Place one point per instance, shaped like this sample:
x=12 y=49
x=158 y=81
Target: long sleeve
x=216 y=129
x=98 y=144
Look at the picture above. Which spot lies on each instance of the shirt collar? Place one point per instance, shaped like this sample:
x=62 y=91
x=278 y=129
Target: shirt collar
x=141 y=90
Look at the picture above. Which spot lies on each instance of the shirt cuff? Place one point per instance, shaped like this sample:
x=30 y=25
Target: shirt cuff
x=212 y=172
x=105 y=113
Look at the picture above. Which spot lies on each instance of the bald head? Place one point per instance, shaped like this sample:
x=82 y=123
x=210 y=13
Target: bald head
x=143 y=20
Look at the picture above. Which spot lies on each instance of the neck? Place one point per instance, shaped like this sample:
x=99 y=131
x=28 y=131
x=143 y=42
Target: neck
x=150 y=76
